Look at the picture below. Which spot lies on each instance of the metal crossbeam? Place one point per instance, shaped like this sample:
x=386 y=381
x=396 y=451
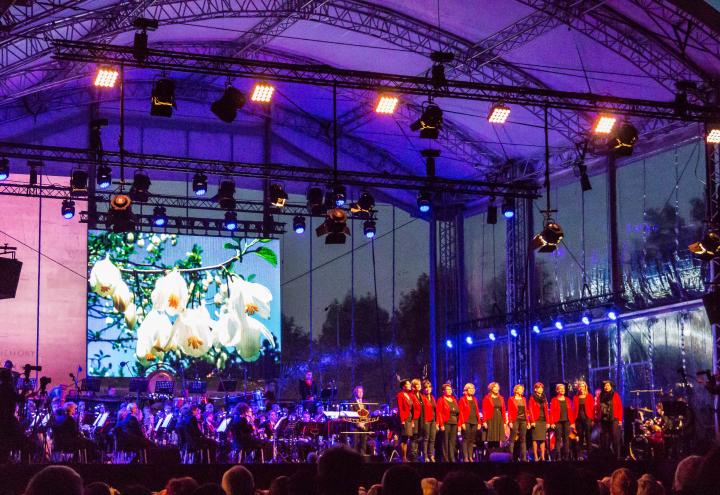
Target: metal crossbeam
x=280 y=172
x=352 y=79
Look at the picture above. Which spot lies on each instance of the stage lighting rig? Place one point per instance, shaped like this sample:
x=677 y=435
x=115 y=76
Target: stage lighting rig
x=364 y=204
x=226 y=107
x=200 y=184
x=159 y=217
x=430 y=121
x=68 y=209
x=299 y=224
x=387 y=104
x=4 y=169
x=491 y=216
x=106 y=77
x=424 y=201
x=140 y=42
x=262 y=93
x=162 y=100
x=369 y=228
x=334 y=228
x=315 y=198
x=78 y=182
x=277 y=196
x=338 y=195
x=430 y=165
x=230 y=222
x=549 y=239
x=713 y=135
x=623 y=141
x=34 y=165
x=120 y=215
x=226 y=195
x=604 y=124
x=508 y=208
x=104 y=176
x=708 y=247
x=437 y=71
x=499 y=113
x=586 y=317
x=140 y=190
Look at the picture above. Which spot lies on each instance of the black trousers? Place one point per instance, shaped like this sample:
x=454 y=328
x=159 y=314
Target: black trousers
x=429 y=429
x=414 y=441
x=610 y=435
x=562 y=440
x=519 y=430
x=450 y=443
x=469 y=435
x=584 y=431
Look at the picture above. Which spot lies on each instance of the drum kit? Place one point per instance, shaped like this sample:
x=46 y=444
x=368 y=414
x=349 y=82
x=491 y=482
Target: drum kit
x=656 y=434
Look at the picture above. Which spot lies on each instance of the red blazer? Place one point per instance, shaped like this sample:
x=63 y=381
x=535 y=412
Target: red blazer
x=513 y=410
x=488 y=408
x=555 y=410
x=429 y=408
x=589 y=406
x=535 y=410
x=617 y=408
x=443 y=410
x=404 y=407
x=464 y=406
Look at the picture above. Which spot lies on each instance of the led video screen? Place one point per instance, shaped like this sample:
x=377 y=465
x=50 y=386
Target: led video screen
x=198 y=304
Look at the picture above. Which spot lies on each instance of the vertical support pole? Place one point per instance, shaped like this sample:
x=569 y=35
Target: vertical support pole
x=267 y=158
x=712 y=201
x=432 y=240
x=615 y=266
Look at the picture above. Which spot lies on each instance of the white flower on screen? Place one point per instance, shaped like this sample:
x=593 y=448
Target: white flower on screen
x=122 y=297
x=170 y=294
x=130 y=316
x=155 y=239
x=150 y=248
x=153 y=335
x=218 y=299
x=249 y=298
x=105 y=277
x=192 y=331
x=237 y=328
x=141 y=242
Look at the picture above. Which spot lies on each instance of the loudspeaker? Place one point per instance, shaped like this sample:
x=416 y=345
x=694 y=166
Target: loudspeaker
x=9 y=277
x=711 y=301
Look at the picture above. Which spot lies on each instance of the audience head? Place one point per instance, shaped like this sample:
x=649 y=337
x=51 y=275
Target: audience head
x=709 y=472
x=648 y=485
x=302 y=482
x=686 y=473
x=280 y=486
x=209 y=489
x=181 y=486
x=401 y=480
x=55 y=480
x=136 y=490
x=504 y=485
x=339 y=471
x=463 y=483
x=97 y=488
x=623 y=482
x=238 y=481
x=430 y=486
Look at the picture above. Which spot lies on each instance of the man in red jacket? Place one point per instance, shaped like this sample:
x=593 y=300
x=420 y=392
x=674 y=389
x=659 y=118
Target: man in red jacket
x=409 y=411
x=611 y=415
x=562 y=418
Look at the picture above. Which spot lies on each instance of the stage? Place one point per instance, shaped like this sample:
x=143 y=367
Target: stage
x=154 y=476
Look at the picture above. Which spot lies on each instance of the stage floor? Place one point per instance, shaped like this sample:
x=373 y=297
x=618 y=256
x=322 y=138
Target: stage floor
x=154 y=476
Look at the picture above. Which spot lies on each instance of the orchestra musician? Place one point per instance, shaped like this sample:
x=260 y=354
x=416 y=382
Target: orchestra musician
x=242 y=428
x=66 y=432
x=540 y=415
x=448 y=413
x=610 y=416
x=188 y=427
x=308 y=388
x=409 y=413
x=469 y=420
x=562 y=418
x=429 y=421
x=518 y=417
x=494 y=416
x=360 y=440
x=584 y=407
x=10 y=429
x=128 y=431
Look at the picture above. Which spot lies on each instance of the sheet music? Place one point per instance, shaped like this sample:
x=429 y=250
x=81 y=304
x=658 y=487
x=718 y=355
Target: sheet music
x=166 y=421
x=223 y=426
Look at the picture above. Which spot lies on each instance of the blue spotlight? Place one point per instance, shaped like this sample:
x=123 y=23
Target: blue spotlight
x=586 y=318
x=514 y=332
x=558 y=324
x=4 y=168
x=104 y=176
x=230 y=223
x=469 y=340
x=508 y=208
x=299 y=224
x=612 y=314
x=492 y=336
x=68 y=209
x=449 y=344
x=159 y=217
x=536 y=327
x=200 y=184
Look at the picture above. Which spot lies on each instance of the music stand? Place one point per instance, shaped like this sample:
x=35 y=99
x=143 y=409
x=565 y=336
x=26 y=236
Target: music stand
x=165 y=387
x=90 y=385
x=197 y=387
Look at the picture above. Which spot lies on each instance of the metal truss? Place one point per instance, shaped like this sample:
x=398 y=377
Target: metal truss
x=447 y=220
x=712 y=193
x=309 y=175
x=352 y=79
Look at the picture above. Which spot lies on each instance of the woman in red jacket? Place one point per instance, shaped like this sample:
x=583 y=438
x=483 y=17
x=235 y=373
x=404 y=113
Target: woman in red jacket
x=611 y=411
x=409 y=412
x=428 y=422
x=584 y=407
x=469 y=420
x=540 y=416
x=494 y=417
x=562 y=418
x=448 y=412
x=518 y=417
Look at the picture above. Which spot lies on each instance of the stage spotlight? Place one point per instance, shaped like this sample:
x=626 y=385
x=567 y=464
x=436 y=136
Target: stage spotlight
x=429 y=123
x=707 y=248
x=369 y=228
x=364 y=204
x=104 y=176
x=334 y=228
x=558 y=323
x=491 y=336
x=140 y=42
x=226 y=195
x=106 y=77
x=491 y=217
x=299 y=224
x=713 y=136
x=230 y=223
x=33 y=179
x=469 y=340
x=120 y=215
x=277 y=196
x=548 y=240
x=68 y=208
x=159 y=217
x=612 y=314
x=508 y=208
x=424 y=201
x=604 y=124
x=4 y=169
x=199 y=184
x=624 y=140
x=339 y=195
x=449 y=344
x=513 y=332
x=537 y=327
x=162 y=99
x=140 y=190
x=262 y=93
x=78 y=182
x=586 y=318
x=386 y=105
x=315 y=198
x=499 y=113
x=229 y=103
